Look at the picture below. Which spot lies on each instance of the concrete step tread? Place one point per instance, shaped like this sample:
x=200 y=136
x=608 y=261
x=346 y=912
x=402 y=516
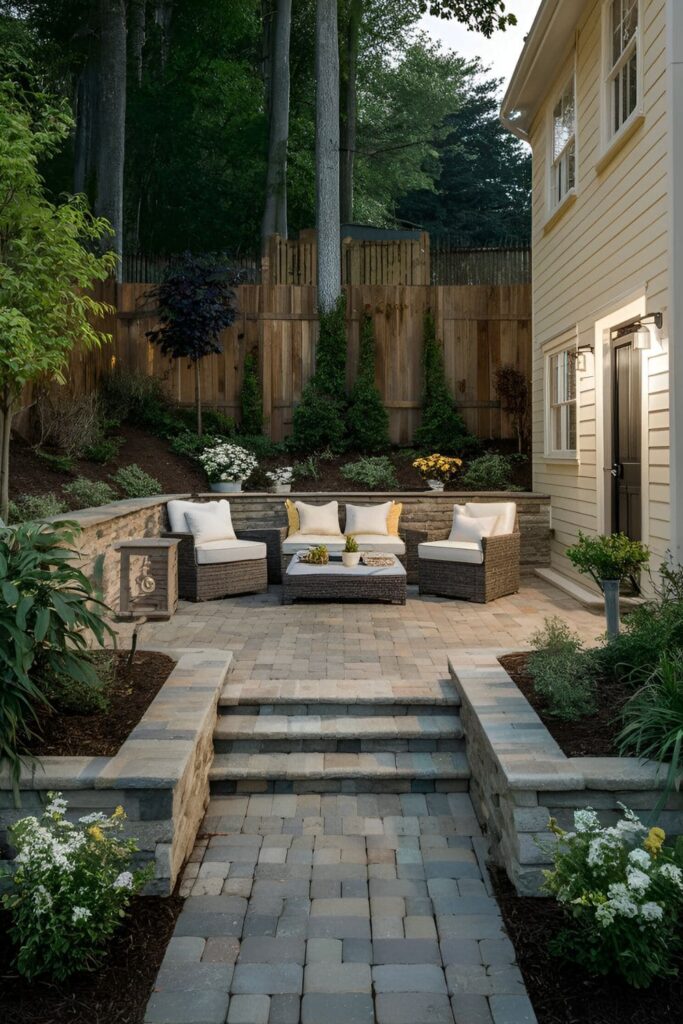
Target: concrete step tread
x=340 y=691
x=442 y=765
x=295 y=727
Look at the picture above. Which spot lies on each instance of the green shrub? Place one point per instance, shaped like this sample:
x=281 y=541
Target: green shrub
x=367 y=419
x=562 y=672
x=33 y=507
x=71 y=889
x=442 y=428
x=71 y=696
x=130 y=397
x=251 y=405
x=103 y=451
x=49 y=612
x=262 y=446
x=489 y=472
x=621 y=891
x=319 y=419
x=216 y=422
x=652 y=630
x=613 y=557
x=189 y=443
x=653 y=716
x=60 y=463
x=375 y=472
x=84 y=493
x=135 y=483
x=306 y=469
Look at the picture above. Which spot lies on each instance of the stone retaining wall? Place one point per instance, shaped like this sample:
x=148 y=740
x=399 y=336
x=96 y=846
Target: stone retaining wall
x=521 y=778
x=160 y=775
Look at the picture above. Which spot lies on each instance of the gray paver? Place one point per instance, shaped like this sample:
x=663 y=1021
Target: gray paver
x=249 y=1010
x=349 y=1008
x=408 y=978
x=284 y=1009
x=267 y=979
x=405 y=951
x=191 y=1007
x=337 y=978
x=512 y=1010
x=267 y=950
x=413 y=1008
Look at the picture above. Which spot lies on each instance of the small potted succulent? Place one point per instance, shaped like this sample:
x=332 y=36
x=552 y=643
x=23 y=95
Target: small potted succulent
x=437 y=470
x=318 y=555
x=351 y=554
x=281 y=479
x=609 y=560
x=227 y=466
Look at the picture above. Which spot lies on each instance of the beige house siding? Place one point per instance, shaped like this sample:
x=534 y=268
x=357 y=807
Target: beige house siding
x=607 y=252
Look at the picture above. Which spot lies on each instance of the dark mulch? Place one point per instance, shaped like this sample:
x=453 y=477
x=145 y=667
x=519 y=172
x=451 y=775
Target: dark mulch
x=101 y=733
x=116 y=993
x=593 y=736
x=560 y=993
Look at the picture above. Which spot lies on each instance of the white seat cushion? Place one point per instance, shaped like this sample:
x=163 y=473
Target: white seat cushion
x=468 y=529
x=176 y=512
x=388 y=545
x=300 y=541
x=216 y=552
x=319 y=519
x=505 y=510
x=451 y=551
x=367 y=519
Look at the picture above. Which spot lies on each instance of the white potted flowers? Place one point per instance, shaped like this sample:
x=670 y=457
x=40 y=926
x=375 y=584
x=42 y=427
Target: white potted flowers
x=227 y=466
x=281 y=479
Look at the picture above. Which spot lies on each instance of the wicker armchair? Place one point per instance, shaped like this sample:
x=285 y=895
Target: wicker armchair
x=496 y=576
x=206 y=582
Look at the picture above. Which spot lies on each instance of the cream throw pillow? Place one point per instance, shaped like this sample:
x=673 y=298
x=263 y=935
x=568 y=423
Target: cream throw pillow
x=177 y=508
x=319 y=519
x=504 y=511
x=368 y=519
x=469 y=530
x=213 y=524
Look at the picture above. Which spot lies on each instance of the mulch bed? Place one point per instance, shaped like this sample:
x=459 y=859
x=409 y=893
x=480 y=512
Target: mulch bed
x=593 y=736
x=116 y=993
x=101 y=733
x=560 y=993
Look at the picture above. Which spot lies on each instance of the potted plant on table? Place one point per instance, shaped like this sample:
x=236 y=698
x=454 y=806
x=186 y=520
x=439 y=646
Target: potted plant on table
x=227 y=466
x=351 y=554
x=437 y=470
x=609 y=560
x=281 y=479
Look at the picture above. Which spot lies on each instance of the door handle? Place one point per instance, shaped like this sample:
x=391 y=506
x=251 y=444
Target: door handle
x=617 y=471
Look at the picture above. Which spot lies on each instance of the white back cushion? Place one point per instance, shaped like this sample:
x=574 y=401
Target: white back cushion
x=177 y=509
x=505 y=510
x=368 y=518
x=320 y=519
x=211 y=524
x=467 y=529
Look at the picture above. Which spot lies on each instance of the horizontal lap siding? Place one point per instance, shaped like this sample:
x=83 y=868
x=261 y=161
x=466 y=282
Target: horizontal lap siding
x=611 y=244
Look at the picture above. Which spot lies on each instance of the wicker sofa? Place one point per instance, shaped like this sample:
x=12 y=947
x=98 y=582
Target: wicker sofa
x=479 y=570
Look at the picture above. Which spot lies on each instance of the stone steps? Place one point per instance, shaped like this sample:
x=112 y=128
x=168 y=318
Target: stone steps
x=338 y=696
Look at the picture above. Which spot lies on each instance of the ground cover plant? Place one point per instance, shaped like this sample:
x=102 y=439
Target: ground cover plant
x=490 y=472
x=135 y=482
x=376 y=473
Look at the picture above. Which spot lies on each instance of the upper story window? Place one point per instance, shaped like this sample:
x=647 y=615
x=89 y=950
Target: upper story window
x=623 y=72
x=564 y=145
x=561 y=403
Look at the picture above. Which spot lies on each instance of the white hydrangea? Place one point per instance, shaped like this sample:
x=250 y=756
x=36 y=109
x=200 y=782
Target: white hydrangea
x=586 y=820
x=640 y=858
x=42 y=900
x=224 y=462
x=57 y=804
x=96 y=818
x=605 y=914
x=80 y=914
x=651 y=912
x=621 y=901
x=672 y=874
x=637 y=880
x=123 y=881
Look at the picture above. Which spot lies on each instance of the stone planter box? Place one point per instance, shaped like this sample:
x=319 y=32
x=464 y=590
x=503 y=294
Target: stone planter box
x=160 y=775
x=521 y=778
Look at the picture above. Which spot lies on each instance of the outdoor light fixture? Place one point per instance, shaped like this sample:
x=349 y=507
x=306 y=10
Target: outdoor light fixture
x=638 y=332
x=582 y=353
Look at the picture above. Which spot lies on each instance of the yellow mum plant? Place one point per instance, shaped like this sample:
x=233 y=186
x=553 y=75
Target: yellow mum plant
x=437 y=467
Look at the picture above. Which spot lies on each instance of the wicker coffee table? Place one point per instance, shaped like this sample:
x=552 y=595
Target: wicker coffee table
x=334 y=582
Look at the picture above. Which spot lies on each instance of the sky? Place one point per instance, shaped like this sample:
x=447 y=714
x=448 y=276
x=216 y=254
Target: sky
x=500 y=52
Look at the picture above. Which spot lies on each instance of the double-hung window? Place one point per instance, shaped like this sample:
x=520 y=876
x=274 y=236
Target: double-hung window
x=563 y=174
x=623 y=73
x=561 y=398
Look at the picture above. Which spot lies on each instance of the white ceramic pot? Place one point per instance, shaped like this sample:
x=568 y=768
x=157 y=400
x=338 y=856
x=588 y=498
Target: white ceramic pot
x=436 y=485
x=282 y=488
x=227 y=486
x=350 y=558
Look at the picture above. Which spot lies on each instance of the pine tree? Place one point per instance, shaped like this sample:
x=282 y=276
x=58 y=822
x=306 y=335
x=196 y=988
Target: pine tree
x=367 y=419
x=443 y=428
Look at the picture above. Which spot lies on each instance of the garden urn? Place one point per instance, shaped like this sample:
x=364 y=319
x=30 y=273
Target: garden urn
x=282 y=488
x=436 y=485
x=227 y=486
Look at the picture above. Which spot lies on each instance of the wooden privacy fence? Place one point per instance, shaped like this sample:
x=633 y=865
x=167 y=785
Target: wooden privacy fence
x=371 y=261
x=480 y=328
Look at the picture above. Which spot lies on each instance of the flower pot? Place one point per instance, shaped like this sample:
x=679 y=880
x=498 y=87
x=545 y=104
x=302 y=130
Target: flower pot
x=350 y=558
x=227 y=486
x=282 y=488
x=436 y=485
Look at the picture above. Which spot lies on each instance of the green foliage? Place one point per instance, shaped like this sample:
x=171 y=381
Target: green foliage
x=103 y=451
x=191 y=444
x=318 y=555
x=319 y=418
x=351 y=545
x=367 y=419
x=376 y=472
x=216 y=422
x=306 y=469
x=653 y=717
x=613 y=557
x=71 y=696
x=262 y=446
x=250 y=398
x=648 y=632
x=48 y=611
x=490 y=472
x=60 y=463
x=442 y=428
x=136 y=398
x=84 y=493
x=563 y=674
x=72 y=886
x=135 y=483
x=622 y=894
x=32 y=507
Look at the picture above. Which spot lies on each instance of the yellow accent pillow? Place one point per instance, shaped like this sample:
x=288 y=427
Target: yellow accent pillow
x=292 y=517
x=394 y=517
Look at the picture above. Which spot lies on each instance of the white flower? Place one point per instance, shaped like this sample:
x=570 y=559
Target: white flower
x=57 y=804
x=97 y=817
x=637 y=880
x=651 y=912
x=605 y=914
x=640 y=858
x=282 y=475
x=80 y=914
x=42 y=900
x=586 y=821
x=228 y=462
x=672 y=874
x=620 y=900
x=123 y=881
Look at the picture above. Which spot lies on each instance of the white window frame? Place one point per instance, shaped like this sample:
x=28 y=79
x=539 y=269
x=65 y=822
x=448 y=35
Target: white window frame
x=560 y=161
x=612 y=71
x=565 y=345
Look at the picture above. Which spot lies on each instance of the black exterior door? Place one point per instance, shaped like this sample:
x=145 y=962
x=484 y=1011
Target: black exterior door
x=627 y=443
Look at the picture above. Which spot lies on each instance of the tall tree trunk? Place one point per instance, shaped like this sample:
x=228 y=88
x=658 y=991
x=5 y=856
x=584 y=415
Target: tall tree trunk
x=198 y=397
x=112 y=141
x=136 y=36
x=162 y=15
x=327 y=153
x=267 y=19
x=349 y=113
x=6 y=411
x=275 y=213
x=85 y=140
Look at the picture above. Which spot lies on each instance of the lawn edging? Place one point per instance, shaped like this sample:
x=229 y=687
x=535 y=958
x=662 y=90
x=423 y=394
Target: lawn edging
x=160 y=774
x=521 y=777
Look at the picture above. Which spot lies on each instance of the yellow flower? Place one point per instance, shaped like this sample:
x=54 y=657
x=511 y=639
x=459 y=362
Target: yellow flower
x=119 y=812
x=655 y=840
x=555 y=828
x=96 y=833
